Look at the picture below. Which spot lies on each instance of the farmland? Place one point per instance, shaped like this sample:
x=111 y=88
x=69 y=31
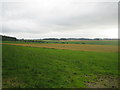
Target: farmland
x=59 y=65
x=78 y=47
x=91 y=42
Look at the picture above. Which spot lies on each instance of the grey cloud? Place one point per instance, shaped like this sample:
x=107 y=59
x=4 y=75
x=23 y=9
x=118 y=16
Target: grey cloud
x=41 y=18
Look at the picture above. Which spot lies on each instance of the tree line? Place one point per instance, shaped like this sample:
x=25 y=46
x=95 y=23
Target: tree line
x=8 y=38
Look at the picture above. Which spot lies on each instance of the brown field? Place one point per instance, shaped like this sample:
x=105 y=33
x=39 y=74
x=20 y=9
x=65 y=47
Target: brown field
x=86 y=40
x=77 y=47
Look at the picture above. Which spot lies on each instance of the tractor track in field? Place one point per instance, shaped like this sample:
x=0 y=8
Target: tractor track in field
x=76 y=47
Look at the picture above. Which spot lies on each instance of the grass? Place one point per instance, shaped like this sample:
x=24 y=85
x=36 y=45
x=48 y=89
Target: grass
x=32 y=67
x=98 y=42
x=93 y=42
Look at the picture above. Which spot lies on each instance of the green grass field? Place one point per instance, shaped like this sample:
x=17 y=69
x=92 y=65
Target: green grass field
x=94 y=42
x=32 y=67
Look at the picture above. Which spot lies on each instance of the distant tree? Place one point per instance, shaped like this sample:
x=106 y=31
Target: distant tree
x=63 y=38
x=50 y=39
x=8 y=38
x=97 y=39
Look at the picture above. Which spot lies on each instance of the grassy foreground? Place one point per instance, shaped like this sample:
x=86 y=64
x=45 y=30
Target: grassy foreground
x=31 y=67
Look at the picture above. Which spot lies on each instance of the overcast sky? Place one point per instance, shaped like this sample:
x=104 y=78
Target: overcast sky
x=59 y=18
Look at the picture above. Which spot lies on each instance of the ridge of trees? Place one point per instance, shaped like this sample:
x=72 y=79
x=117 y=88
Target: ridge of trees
x=8 y=38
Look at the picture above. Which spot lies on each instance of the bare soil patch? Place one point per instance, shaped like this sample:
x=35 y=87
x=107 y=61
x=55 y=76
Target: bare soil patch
x=104 y=82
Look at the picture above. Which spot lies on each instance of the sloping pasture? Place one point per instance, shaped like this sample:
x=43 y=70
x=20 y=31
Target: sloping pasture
x=33 y=67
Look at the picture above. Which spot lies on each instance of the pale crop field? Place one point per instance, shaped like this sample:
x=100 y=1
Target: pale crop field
x=78 y=47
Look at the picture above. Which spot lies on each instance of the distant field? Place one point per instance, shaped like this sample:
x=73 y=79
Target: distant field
x=33 y=67
x=95 y=42
x=77 y=47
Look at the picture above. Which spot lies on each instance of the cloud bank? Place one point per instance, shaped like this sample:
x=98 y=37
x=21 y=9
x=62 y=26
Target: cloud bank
x=59 y=18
